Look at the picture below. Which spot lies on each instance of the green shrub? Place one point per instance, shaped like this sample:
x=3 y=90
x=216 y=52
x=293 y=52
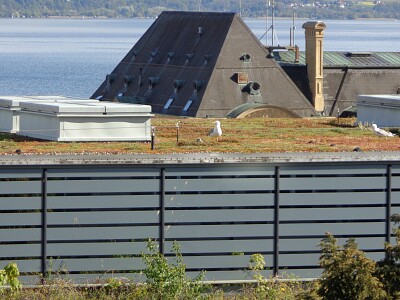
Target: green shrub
x=270 y=288
x=168 y=280
x=347 y=274
x=9 y=275
x=388 y=269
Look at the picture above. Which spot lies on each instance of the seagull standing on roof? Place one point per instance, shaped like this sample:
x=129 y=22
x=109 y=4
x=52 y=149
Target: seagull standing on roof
x=216 y=131
x=381 y=132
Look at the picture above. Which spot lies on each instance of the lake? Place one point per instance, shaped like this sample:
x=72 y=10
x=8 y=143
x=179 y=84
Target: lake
x=71 y=57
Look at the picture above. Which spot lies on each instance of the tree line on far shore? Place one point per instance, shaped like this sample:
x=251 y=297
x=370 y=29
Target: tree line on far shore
x=322 y=9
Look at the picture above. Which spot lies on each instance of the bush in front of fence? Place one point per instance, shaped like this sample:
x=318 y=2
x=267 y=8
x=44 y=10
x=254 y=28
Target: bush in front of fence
x=9 y=275
x=270 y=288
x=167 y=279
x=347 y=274
x=389 y=268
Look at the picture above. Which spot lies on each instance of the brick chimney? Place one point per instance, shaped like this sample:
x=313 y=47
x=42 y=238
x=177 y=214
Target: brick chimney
x=314 y=32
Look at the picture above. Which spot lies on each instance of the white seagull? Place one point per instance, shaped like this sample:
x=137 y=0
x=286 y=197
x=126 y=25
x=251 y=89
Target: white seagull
x=381 y=132
x=216 y=131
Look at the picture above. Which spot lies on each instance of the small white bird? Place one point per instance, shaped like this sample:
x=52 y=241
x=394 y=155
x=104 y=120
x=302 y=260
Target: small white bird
x=381 y=132
x=216 y=131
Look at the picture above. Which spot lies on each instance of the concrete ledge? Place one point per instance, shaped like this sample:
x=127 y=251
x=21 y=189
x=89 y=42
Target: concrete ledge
x=199 y=158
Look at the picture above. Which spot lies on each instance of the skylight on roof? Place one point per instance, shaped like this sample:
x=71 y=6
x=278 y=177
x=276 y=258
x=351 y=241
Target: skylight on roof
x=358 y=54
x=187 y=105
x=168 y=104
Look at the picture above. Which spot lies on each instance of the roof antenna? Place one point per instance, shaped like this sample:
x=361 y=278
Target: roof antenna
x=270 y=3
x=272 y=22
x=266 y=23
x=292 y=29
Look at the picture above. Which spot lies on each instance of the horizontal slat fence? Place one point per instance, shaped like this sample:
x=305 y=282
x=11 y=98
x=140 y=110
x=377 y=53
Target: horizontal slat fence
x=93 y=221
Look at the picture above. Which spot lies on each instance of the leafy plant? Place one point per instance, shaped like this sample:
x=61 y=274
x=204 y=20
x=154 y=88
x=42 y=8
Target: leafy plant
x=270 y=288
x=348 y=273
x=9 y=275
x=168 y=280
x=388 y=269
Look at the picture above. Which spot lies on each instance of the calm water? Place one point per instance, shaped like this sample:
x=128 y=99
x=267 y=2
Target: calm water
x=71 y=57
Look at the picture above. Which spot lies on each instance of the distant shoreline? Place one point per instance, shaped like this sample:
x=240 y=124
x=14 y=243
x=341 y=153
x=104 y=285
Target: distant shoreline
x=256 y=18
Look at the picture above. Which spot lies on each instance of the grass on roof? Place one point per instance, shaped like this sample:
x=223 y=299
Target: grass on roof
x=239 y=136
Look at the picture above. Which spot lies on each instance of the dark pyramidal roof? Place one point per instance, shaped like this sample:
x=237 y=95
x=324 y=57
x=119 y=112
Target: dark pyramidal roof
x=201 y=64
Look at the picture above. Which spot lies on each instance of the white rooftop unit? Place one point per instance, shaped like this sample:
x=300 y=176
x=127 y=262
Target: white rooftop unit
x=10 y=107
x=85 y=121
x=383 y=110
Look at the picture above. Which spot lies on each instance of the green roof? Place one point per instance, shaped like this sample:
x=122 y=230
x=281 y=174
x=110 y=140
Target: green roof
x=344 y=59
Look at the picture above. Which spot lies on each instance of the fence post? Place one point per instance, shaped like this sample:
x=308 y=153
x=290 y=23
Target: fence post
x=162 y=211
x=44 y=225
x=388 y=229
x=153 y=137
x=276 y=222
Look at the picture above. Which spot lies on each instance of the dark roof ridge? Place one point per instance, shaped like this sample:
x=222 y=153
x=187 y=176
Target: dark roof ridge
x=173 y=12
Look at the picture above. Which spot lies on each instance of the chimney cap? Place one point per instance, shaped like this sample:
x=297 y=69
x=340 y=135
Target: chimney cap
x=314 y=25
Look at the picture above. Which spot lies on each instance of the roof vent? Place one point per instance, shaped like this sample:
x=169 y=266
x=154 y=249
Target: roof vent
x=110 y=78
x=135 y=52
x=128 y=79
x=200 y=31
x=189 y=56
x=208 y=57
x=253 y=88
x=197 y=85
x=153 y=53
x=245 y=57
x=171 y=54
x=178 y=84
x=358 y=54
x=153 y=81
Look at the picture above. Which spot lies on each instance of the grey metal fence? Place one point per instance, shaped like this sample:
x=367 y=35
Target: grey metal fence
x=94 y=220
